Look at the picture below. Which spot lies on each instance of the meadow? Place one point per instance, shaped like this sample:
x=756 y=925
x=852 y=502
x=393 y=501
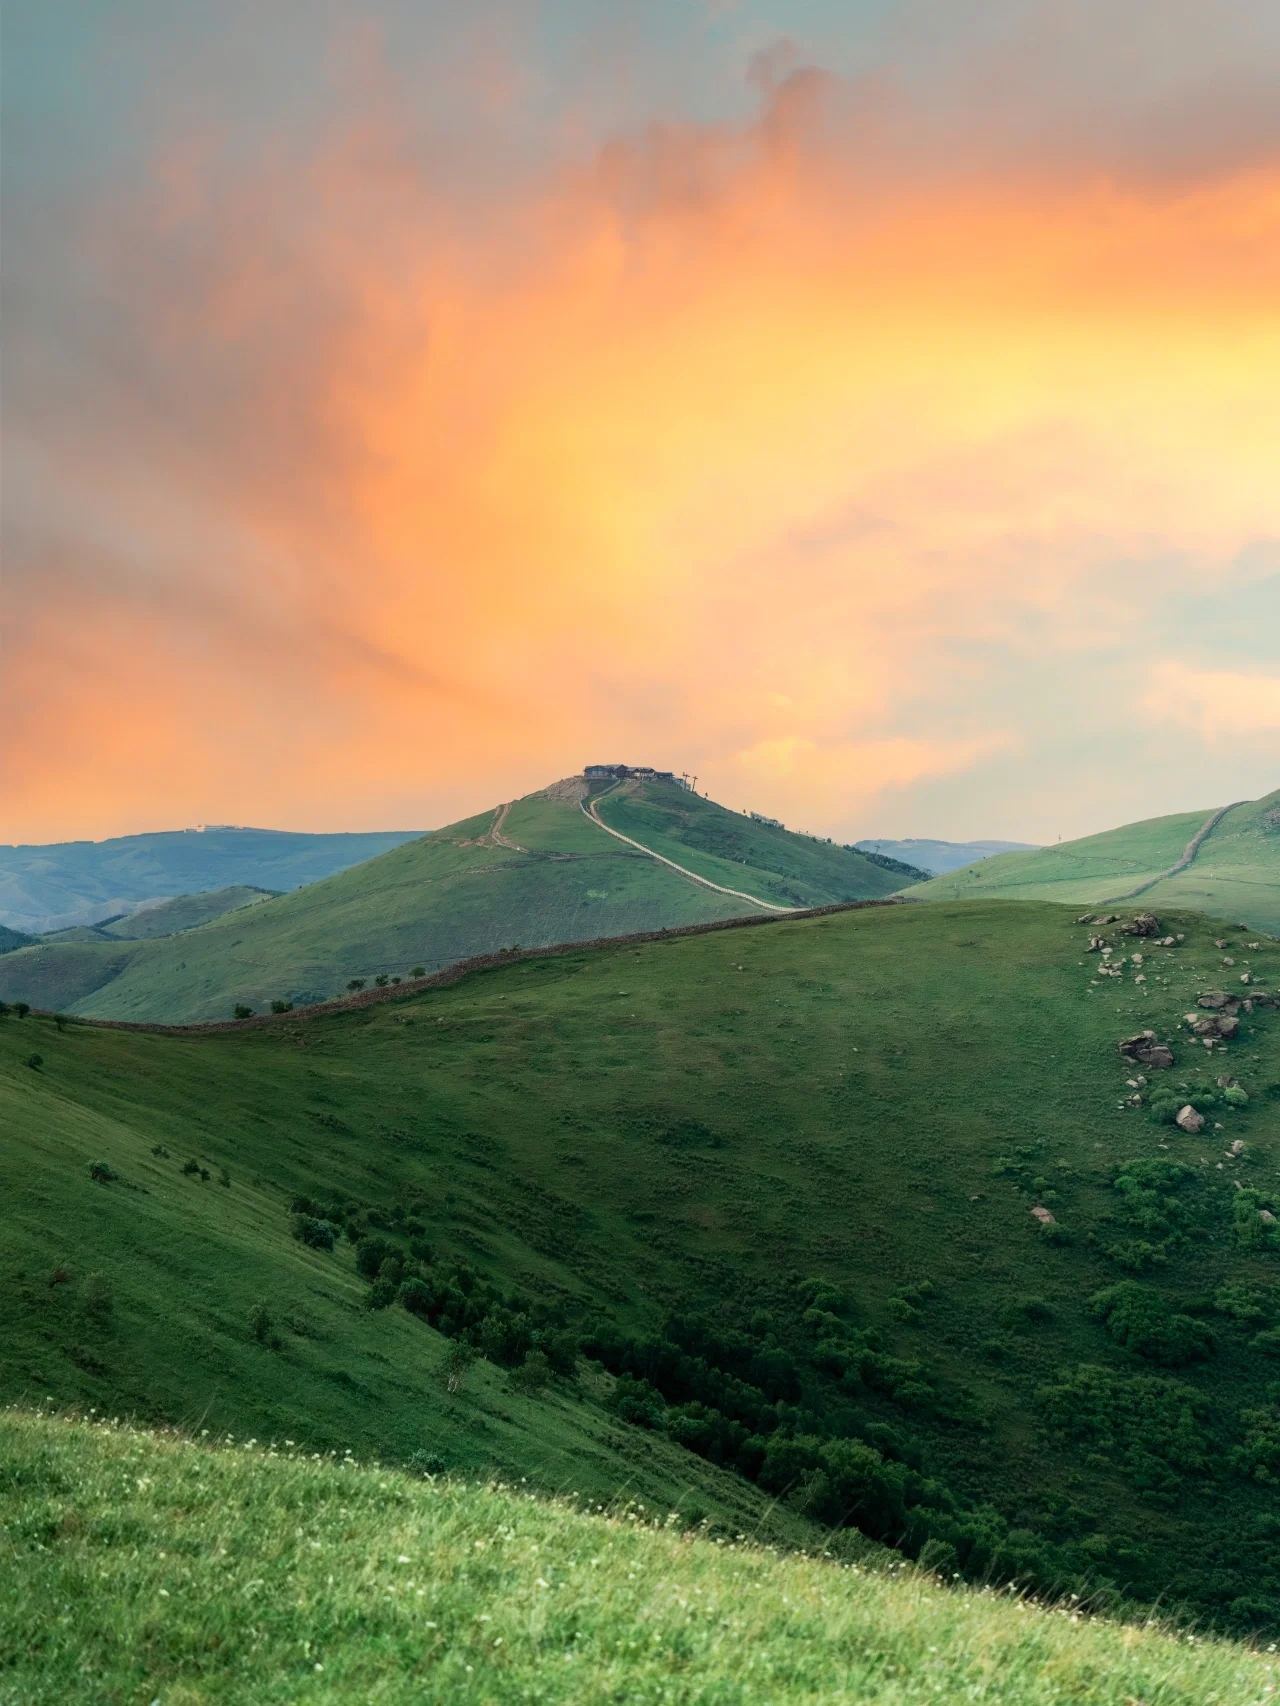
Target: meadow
x=143 y=1566
x=740 y=1221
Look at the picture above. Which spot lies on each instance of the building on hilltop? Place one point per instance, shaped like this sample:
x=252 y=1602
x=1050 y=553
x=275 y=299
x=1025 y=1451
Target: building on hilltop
x=643 y=773
x=773 y=822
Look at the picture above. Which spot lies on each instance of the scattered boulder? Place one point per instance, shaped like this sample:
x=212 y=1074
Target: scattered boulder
x=1216 y=998
x=1218 y=942
x=1146 y=1051
x=1143 y=924
x=1266 y=1216
x=1237 y=1147
x=1042 y=1215
x=1189 y=1120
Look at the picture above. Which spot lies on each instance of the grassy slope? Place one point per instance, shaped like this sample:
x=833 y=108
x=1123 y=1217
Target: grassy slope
x=737 y=852
x=185 y=912
x=247 y=1575
x=688 y=1122
x=1236 y=873
x=445 y=897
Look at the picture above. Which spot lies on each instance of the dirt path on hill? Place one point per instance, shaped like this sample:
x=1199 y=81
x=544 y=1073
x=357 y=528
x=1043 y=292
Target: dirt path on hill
x=589 y=810
x=495 y=836
x=1189 y=852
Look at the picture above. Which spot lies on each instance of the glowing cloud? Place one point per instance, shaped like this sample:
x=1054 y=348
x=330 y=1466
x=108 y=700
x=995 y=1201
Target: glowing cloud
x=775 y=451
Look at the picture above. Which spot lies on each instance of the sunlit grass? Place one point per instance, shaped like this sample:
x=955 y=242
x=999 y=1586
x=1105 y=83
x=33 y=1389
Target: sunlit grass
x=145 y=1567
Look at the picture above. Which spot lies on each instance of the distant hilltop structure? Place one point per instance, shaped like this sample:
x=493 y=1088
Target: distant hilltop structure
x=643 y=772
x=773 y=822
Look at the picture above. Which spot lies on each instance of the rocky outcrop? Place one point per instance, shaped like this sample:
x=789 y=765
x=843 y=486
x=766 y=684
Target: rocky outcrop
x=1146 y=1050
x=1142 y=924
x=1189 y=1120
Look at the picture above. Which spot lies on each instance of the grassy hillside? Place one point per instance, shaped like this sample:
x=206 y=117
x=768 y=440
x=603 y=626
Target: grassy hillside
x=167 y=918
x=256 y=1573
x=11 y=939
x=51 y=887
x=538 y=871
x=737 y=852
x=779 y=1181
x=1235 y=873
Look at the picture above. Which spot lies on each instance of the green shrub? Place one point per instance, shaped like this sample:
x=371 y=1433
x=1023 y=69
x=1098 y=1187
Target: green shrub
x=417 y=971
x=99 y=1171
x=1268 y=1342
x=1259 y=1456
x=315 y=1234
x=427 y=1463
x=99 y=1297
x=35 y=1061
x=371 y=1253
x=22 y=1008
x=243 y=1012
x=417 y=1296
x=506 y=1337
x=637 y=1402
x=191 y=1167
x=1235 y=1096
x=260 y=1322
x=533 y=1373
x=282 y=1006
x=1242 y=1302
x=382 y=1294
x=356 y=983
x=1147 y=1426
x=1253 y=1229
x=381 y=981
x=1142 y=1321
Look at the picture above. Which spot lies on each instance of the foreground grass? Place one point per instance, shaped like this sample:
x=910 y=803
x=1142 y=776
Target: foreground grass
x=143 y=1567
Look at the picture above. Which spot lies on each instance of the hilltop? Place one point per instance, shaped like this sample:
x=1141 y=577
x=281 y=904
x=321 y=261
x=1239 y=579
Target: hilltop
x=65 y=883
x=255 y=1572
x=535 y=871
x=852 y=1220
x=1231 y=869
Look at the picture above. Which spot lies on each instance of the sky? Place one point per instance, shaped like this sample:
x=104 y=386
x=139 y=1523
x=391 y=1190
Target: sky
x=871 y=409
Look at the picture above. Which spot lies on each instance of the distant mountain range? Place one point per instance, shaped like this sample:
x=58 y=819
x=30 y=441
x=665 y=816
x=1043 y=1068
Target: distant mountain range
x=82 y=882
x=939 y=856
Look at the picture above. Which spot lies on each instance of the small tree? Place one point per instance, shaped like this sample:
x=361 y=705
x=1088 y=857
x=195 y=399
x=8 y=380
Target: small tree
x=260 y=1322
x=282 y=1006
x=356 y=983
x=243 y=1012
x=22 y=1008
x=35 y=1061
x=224 y=1178
x=456 y=1364
x=381 y=981
x=417 y=971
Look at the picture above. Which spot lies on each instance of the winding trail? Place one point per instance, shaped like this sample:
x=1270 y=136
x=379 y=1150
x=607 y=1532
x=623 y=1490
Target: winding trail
x=589 y=810
x=495 y=830
x=1189 y=852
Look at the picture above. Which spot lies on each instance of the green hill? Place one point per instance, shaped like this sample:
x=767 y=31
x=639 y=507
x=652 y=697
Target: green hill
x=65 y=883
x=775 y=1183
x=255 y=1573
x=534 y=872
x=166 y=918
x=1234 y=872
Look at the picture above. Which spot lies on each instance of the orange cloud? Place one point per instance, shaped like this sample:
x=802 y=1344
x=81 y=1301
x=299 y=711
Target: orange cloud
x=729 y=451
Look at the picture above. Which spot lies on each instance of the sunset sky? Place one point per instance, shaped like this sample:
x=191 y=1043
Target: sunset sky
x=872 y=408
